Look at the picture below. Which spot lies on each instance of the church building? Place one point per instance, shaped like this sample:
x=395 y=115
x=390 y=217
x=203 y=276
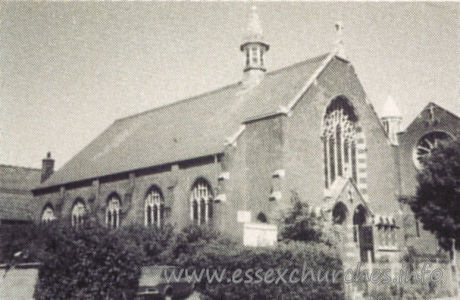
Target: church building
x=234 y=157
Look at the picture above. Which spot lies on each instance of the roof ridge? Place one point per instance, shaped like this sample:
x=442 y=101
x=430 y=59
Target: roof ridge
x=225 y=87
x=308 y=60
x=19 y=167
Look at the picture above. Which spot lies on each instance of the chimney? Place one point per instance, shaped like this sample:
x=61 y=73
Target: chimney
x=47 y=167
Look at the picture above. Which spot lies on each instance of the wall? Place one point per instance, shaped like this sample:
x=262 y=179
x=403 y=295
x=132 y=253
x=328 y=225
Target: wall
x=175 y=184
x=444 y=121
x=303 y=148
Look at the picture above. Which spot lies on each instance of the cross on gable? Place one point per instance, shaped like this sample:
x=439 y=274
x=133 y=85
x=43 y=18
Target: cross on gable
x=431 y=113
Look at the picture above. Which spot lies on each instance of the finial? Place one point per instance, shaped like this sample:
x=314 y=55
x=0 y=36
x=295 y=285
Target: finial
x=340 y=48
x=48 y=155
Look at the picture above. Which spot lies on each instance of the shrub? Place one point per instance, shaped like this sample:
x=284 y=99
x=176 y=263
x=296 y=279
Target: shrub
x=300 y=224
x=191 y=240
x=226 y=260
x=153 y=241
x=24 y=239
x=90 y=262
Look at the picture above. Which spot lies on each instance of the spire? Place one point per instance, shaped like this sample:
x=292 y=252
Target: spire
x=339 y=45
x=390 y=109
x=254 y=48
x=391 y=119
x=254 y=30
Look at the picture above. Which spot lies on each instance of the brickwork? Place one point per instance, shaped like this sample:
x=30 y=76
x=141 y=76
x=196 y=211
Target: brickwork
x=304 y=158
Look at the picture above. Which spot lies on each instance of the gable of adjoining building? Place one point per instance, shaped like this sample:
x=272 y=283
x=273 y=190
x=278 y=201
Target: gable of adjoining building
x=432 y=122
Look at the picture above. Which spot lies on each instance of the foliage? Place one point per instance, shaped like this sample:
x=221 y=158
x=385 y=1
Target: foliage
x=226 y=261
x=93 y=262
x=20 y=243
x=191 y=240
x=300 y=224
x=436 y=202
x=89 y=262
x=153 y=241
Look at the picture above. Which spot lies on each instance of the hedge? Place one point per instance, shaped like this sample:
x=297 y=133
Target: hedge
x=93 y=262
x=285 y=256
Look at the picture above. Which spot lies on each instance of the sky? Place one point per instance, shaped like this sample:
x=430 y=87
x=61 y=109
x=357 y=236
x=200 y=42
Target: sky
x=69 y=70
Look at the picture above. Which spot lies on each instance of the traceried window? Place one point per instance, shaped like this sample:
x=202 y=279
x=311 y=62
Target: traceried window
x=48 y=214
x=339 y=142
x=201 y=203
x=154 y=208
x=78 y=212
x=427 y=144
x=112 y=215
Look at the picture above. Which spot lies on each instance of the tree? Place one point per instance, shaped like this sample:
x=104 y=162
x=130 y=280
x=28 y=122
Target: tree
x=88 y=262
x=436 y=203
x=299 y=223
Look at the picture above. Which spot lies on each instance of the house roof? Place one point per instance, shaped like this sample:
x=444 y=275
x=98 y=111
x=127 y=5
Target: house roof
x=190 y=128
x=18 y=178
x=15 y=196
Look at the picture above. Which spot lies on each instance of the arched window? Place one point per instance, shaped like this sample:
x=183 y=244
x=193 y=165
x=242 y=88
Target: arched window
x=154 y=208
x=78 y=212
x=339 y=141
x=201 y=201
x=112 y=215
x=48 y=214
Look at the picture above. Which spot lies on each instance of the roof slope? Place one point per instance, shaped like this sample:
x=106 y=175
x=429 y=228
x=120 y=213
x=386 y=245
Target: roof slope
x=15 y=195
x=19 y=178
x=186 y=129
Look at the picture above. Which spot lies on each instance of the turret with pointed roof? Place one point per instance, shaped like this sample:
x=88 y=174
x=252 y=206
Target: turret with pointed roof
x=391 y=119
x=254 y=48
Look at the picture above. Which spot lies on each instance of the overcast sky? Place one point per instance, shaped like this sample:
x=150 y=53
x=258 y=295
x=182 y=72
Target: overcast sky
x=68 y=70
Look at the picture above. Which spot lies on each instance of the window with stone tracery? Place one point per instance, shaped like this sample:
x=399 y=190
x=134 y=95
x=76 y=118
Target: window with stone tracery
x=339 y=142
x=78 y=212
x=154 y=208
x=201 y=203
x=112 y=215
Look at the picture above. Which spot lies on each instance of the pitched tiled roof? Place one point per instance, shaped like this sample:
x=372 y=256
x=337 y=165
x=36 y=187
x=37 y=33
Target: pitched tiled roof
x=15 y=192
x=186 y=129
x=19 y=178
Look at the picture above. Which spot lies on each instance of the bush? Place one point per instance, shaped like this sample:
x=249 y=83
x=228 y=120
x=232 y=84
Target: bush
x=24 y=239
x=217 y=257
x=90 y=262
x=93 y=262
x=152 y=241
x=300 y=224
x=191 y=240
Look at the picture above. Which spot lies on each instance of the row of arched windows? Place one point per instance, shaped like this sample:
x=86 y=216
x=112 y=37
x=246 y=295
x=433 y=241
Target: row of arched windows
x=201 y=208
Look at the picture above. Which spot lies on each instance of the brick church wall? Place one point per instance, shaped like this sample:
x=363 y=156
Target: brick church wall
x=303 y=151
x=175 y=185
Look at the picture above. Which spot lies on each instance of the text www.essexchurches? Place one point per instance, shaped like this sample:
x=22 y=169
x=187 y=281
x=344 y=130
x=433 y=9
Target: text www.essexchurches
x=304 y=274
